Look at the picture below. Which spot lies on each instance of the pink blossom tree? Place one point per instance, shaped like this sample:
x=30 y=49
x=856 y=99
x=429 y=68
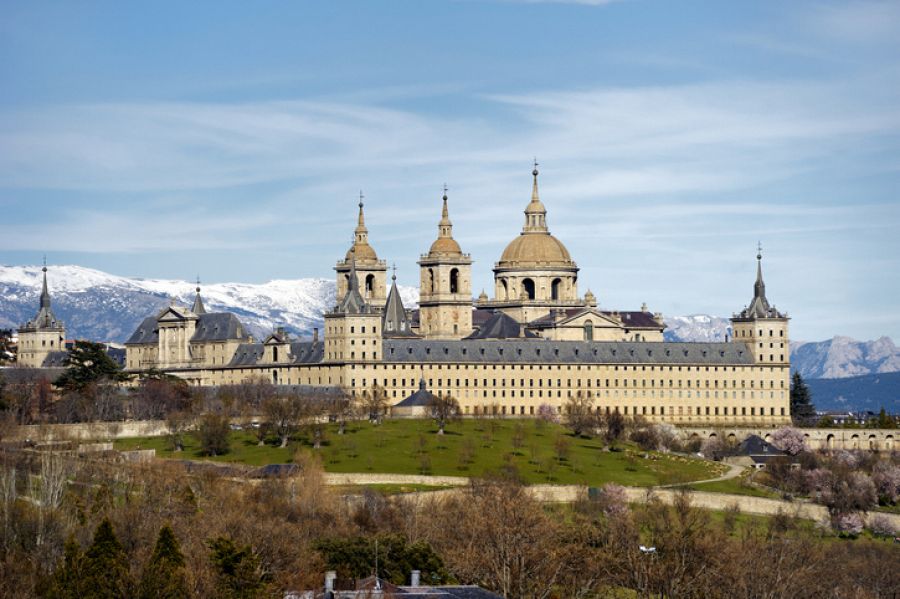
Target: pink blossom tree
x=547 y=413
x=789 y=440
x=886 y=477
x=612 y=500
x=850 y=524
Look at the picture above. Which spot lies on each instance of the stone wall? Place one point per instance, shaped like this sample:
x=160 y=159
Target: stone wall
x=88 y=431
x=816 y=438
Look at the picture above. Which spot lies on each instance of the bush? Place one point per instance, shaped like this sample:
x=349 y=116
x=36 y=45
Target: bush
x=849 y=524
x=882 y=526
x=646 y=437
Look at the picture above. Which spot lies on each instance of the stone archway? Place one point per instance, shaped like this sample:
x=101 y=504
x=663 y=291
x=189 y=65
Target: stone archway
x=829 y=442
x=854 y=442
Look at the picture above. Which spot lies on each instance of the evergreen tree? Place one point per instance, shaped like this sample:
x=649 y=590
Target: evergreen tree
x=163 y=577
x=106 y=565
x=68 y=579
x=884 y=421
x=803 y=412
x=238 y=568
x=88 y=363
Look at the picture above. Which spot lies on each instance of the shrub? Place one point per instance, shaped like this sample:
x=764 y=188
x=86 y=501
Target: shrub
x=213 y=432
x=886 y=477
x=882 y=526
x=789 y=440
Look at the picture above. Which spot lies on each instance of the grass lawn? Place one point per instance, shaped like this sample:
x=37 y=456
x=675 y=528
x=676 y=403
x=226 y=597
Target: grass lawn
x=538 y=452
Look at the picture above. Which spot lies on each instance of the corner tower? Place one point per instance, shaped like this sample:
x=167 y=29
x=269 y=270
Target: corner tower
x=445 y=289
x=42 y=334
x=370 y=271
x=761 y=326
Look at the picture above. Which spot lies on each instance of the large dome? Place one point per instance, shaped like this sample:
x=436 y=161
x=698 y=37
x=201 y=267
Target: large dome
x=536 y=249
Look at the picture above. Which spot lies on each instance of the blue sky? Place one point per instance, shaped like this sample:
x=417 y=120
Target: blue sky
x=231 y=139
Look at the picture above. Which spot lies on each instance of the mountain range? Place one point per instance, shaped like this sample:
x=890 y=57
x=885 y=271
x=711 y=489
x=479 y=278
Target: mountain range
x=101 y=306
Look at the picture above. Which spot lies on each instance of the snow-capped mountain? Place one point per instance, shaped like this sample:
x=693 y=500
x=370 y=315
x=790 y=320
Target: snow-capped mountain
x=100 y=306
x=842 y=357
x=697 y=327
x=839 y=357
x=97 y=305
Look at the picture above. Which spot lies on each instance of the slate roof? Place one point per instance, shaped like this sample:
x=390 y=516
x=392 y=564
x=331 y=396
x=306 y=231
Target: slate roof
x=564 y=352
x=754 y=445
x=302 y=352
x=211 y=326
x=55 y=359
x=501 y=326
x=637 y=319
x=422 y=397
x=395 y=321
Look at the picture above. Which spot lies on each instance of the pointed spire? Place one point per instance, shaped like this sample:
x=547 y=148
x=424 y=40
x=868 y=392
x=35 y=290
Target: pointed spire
x=535 y=212
x=759 y=307
x=361 y=219
x=394 y=322
x=45 y=294
x=354 y=281
x=352 y=302
x=198 y=307
x=445 y=244
x=445 y=227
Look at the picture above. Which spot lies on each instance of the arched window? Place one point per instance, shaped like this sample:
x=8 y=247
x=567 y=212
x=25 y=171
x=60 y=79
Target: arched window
x=370 y=285
x=274 y=354
x=554 y=289
x=588 y=331
x=454 y=280
x=274 y=377
x=505 y=289
x=528 y=286
x=431 y=284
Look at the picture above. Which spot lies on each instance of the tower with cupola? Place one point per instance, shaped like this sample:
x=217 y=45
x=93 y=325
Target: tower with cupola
x=445 y=287
x=371 y=272
x=43 y=334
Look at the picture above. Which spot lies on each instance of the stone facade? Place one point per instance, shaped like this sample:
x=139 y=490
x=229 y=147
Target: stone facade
x=536 y=342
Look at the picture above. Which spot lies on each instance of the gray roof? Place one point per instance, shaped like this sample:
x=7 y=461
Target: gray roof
x=55 y=359
x=352 y=302
x=395 y=322
x=198 y=307
x=302 y=352
x=214 y=326
x=564 y=352
x=45 y=318
x=759 y=306
x=422 y=397
x=501 y=326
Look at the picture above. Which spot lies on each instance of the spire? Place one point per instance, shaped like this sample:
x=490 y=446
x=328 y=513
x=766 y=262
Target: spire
x=361 y=219
x=535 y=213
x=45 y=318
x=759 y=307
x=198 y=307
x=445 y=227
x=45 y=294
x=445 y=245
x=395 y=323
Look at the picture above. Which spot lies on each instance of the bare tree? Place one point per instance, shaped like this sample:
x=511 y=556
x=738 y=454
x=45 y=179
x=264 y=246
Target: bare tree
x=373 y=403
x=283 y=414
x=581 y=418
x=442 y=410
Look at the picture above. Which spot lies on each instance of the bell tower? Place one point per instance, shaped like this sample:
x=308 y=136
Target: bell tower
x=445 y=290
x=370 y=271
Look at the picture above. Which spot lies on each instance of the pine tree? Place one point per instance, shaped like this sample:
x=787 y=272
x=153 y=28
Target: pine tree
x=106 y=565
x=163 y=577
x=238 y=567
x=803 y=412
x=68 y=578
x=88 y=363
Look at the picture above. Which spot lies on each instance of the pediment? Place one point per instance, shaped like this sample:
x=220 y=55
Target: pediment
x=175 y=314
x=597 y=318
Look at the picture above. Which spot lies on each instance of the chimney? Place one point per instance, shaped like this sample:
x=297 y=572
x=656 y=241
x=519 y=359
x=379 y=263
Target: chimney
x=316 y=335
x=280 y=331
x=329 y=580
x=414 y=578
x=522 y=330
